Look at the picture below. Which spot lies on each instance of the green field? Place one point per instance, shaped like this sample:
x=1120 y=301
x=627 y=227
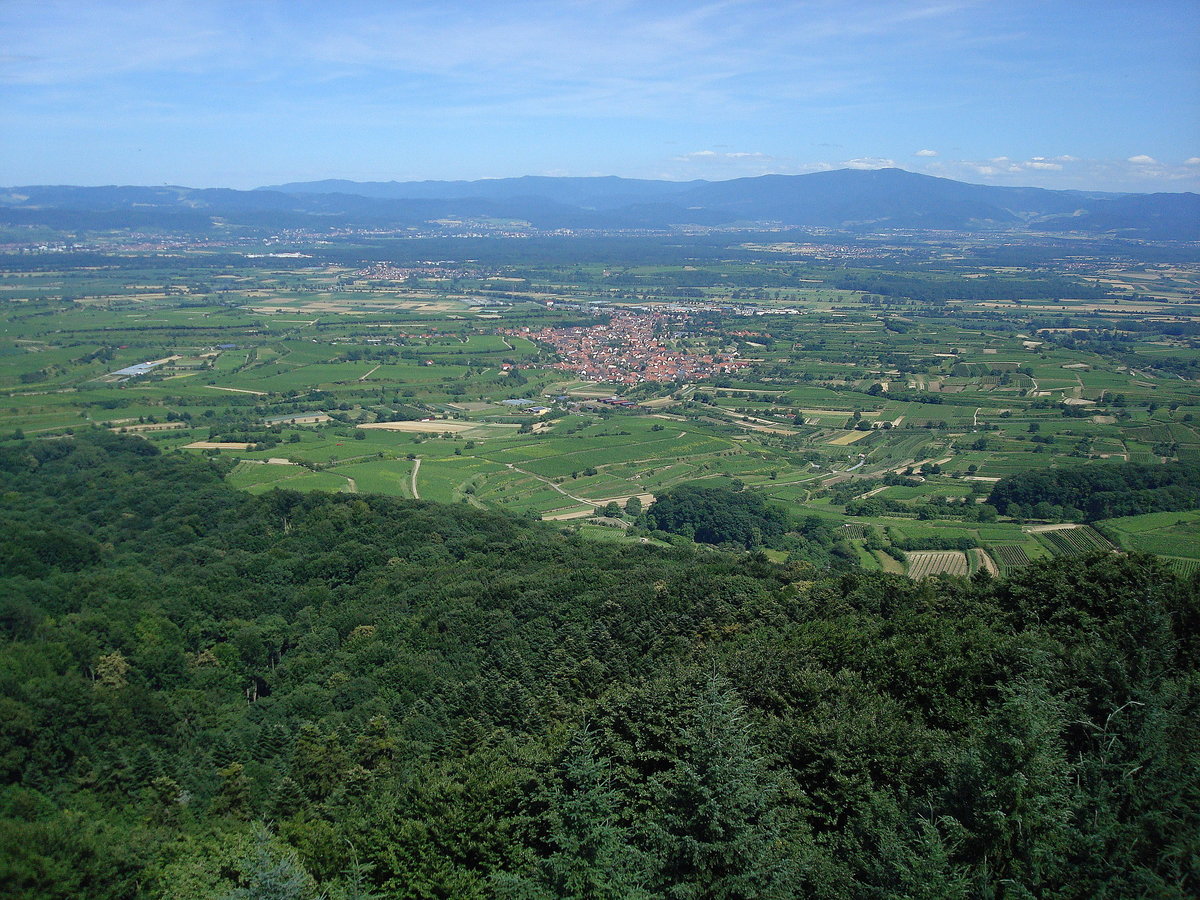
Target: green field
x=1172 y=534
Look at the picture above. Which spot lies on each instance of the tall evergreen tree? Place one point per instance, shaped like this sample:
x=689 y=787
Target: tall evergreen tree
x=716 y=834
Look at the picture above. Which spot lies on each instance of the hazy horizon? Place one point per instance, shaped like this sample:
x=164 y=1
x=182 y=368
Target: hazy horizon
x=275 y=184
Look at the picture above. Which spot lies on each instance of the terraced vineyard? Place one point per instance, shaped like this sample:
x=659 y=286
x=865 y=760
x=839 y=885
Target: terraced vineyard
x=1185 y=567
x=1075 y=541
x=923 y=563
x=1009 y=557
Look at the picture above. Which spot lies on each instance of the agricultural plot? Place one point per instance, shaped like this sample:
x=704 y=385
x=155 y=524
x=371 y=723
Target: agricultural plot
x=296 y=479
x=924 y=563
x=1077 y=541
x=1185 y=568
x=380 y=476
x=597 y=452
x=1170 y=534
x=1009 y=557
x=980 y=560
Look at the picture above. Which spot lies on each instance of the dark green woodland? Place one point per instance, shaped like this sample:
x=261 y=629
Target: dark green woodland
x=208 y=694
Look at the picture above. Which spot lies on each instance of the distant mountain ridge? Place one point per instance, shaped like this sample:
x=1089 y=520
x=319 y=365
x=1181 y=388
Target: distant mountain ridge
x=845 y=199
x=602 y=192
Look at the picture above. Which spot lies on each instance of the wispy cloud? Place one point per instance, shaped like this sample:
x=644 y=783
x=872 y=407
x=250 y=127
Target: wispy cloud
x=713 y=155
x=621 y=58
x=65 y=43
x=1139 y=172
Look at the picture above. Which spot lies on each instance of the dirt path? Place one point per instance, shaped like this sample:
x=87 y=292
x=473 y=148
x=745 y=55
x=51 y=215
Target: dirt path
x=237 y=390
x=548 y=483
x=369 y=374
x=646 y=499
x=989 y=564
x=753 y=423
x=351 y=484
x=416 y=469
x=872 y=492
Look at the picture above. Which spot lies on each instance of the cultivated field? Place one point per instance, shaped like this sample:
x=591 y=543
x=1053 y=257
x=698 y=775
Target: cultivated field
x=923 y=563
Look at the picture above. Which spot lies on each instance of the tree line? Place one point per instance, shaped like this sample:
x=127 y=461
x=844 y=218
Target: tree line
x=1090 y=493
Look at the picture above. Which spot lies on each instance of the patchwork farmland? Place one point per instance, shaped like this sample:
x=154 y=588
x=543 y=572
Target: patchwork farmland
x=888 y=413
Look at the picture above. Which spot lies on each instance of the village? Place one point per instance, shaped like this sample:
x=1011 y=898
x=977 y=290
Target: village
x=630 y=349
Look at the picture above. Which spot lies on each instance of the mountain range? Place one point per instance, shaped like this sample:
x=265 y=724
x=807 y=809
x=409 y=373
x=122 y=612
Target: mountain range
x=847 y=199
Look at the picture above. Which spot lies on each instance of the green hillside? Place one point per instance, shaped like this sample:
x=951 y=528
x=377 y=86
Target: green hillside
x=209 y=693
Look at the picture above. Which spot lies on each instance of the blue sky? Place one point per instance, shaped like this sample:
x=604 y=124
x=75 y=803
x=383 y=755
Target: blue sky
x=1056 y=93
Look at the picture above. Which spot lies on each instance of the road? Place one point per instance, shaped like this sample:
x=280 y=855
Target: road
x=416 y=469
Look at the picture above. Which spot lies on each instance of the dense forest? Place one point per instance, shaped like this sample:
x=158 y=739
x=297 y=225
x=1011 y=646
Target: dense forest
x=718 y=515
x=1090 y=493
x=205 y=693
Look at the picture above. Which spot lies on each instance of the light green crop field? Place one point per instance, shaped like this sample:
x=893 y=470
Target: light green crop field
x=378 y=476
x=1174 y=534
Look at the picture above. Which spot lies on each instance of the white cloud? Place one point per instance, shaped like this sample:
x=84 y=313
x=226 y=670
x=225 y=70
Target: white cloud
x=869 y=162
x=714 y=156
x=926 y=153
x=1192 y=161
x=1143 y=160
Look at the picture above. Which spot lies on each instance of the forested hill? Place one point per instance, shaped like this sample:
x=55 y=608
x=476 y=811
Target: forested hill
x=208 y=694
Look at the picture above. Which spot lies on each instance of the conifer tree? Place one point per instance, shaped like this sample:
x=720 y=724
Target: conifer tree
x=716 y=834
